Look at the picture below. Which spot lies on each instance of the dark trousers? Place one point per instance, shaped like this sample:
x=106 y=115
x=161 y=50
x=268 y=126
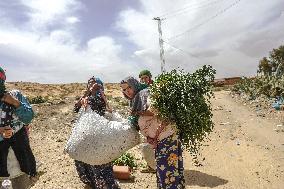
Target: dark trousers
x=21 y=147
x=96 y=176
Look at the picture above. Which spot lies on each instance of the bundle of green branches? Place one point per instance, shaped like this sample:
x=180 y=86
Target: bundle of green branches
x=184 y=99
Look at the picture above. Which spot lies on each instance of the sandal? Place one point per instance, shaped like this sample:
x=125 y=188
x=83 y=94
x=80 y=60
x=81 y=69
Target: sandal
x=148 y=170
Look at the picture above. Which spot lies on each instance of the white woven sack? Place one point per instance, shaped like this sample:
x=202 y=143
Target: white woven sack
x=149 y=155
x=96 y=140
x=13 y=166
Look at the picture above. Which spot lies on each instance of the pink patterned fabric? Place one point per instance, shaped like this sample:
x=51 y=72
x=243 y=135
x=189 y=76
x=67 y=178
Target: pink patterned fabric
x=2 y=76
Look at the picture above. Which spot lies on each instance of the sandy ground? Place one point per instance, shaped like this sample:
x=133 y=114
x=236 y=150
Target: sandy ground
x=244 y=151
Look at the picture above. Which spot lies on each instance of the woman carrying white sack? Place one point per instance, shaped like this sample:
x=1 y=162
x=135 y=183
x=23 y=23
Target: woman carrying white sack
x=96 y=176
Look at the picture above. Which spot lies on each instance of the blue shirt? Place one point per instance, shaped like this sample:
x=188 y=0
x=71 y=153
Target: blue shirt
x=22 y=115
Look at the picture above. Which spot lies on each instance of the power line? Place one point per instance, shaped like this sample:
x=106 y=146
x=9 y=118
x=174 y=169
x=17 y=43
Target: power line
x=181 y=9
x=185 y=10
x=206 y=21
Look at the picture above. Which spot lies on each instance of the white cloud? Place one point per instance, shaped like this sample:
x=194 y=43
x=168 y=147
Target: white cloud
x=51 y=60
x=72 y=20
x=233 y=42
x=140 y=28
x=57 y=55
x=48 y=48
x=47 y=12
x=62 y=37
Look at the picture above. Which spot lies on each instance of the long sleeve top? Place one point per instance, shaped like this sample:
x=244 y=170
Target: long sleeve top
x=150 y=125
x=96 y=102
x=21 y=116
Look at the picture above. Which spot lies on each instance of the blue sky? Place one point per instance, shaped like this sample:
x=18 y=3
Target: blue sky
x=63 y=41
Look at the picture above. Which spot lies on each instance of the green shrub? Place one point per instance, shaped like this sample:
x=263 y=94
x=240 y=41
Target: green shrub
x=37 y=100
x=126 y=159
x=121 y=101
x=270 y=86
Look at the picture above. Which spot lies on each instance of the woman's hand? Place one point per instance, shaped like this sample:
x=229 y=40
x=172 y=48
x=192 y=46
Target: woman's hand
x=95 y=87
x=84 y=102
x=6 y=132
x=152 y=141
x=11 y=100
x=109 y=109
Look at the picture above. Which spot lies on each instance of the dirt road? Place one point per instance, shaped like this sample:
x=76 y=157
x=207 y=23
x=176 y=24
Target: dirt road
x=245 y=150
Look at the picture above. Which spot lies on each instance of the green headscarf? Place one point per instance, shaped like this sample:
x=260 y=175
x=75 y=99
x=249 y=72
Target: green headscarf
x=145 y=72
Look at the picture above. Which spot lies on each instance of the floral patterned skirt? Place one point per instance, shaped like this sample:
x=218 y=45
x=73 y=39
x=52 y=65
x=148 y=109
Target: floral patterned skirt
x=96 y=176
x=170 y=163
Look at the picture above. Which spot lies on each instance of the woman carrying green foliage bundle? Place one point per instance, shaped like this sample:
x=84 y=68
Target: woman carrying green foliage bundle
x=160 y=133
x=184 y=99
x=179 y=112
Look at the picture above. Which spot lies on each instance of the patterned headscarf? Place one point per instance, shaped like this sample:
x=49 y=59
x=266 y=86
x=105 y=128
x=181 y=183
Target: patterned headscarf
x=138 y=102
x=133 y=83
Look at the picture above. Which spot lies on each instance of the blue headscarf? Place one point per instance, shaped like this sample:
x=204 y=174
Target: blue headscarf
x=98 y=81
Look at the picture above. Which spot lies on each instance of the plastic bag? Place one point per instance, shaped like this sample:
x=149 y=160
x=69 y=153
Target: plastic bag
x=13 y=165
x=149 y=155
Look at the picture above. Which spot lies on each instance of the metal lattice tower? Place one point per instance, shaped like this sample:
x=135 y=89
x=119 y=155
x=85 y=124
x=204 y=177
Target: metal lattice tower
x=161 y=42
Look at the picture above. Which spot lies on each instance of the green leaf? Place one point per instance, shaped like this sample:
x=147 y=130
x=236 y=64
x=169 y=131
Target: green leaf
x=184 y=98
